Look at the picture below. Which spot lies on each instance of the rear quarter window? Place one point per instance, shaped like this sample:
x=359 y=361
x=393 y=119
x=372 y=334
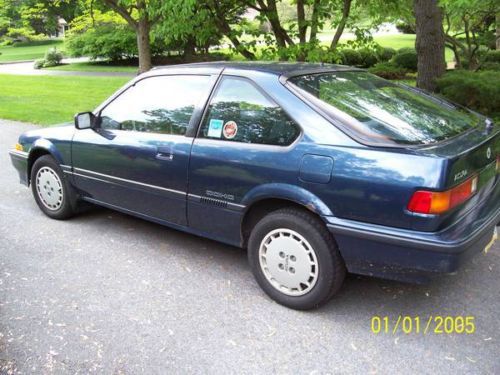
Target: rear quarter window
x=239 y=112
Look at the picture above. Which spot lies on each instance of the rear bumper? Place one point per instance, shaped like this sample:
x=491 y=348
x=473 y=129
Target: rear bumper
x=408 y=255
x=19 y=160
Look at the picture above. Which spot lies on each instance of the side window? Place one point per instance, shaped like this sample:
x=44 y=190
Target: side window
x=239 y=112
x=162 y=104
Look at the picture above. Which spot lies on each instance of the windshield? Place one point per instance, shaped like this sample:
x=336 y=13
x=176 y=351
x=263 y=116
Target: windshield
x=380 y=111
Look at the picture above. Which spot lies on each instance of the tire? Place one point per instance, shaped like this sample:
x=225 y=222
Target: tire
x=295 y=259
x=51 y=190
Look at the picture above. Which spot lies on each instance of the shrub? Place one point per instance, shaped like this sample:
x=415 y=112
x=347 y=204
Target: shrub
x=388 y=70
x=405 y=27
x=107 y=36
x=385 y=53
x=351 y=57
x=406 y=49
x=406 y=59
x=53 y=57
x=492 y=56
x=39 y=64
x=368 y=57
x=479 y=91
x=113 y=42
x=309 y=52
x=490 y=66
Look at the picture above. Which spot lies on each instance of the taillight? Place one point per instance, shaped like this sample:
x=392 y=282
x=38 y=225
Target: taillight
x=437 y=202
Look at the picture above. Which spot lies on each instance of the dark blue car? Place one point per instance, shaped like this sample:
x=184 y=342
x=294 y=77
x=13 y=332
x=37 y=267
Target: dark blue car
x=317 y=170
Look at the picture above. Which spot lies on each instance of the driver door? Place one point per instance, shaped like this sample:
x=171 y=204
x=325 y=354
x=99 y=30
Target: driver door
x=137 y=159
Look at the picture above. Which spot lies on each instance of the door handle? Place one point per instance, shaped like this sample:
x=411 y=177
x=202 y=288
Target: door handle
x=164 y=153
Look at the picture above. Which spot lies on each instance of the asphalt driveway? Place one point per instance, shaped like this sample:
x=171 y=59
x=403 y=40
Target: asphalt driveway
x=109 y=293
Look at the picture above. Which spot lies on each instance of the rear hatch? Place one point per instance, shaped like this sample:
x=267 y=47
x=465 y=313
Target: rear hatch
x=471 y=155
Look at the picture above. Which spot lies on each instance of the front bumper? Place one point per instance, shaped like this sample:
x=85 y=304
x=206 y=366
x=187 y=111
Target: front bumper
x=408 y=255
x=20 y=162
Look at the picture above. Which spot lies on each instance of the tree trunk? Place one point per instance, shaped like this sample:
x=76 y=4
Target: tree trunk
x=429 y=43
x=314 y=21
x=301 y=19
x=343 y=21
x=143 y=45
x=271 y=12
x=190 y=49
x=225 y=29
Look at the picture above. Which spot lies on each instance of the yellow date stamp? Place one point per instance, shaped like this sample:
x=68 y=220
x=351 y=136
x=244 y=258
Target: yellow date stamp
x=432 y=324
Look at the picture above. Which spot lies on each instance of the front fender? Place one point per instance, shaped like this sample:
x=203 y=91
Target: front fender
x=288 y=192
x=46 y=146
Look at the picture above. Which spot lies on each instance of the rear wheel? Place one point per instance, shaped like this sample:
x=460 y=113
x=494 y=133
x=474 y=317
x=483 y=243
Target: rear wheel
x=295 y=259
x=52 y=192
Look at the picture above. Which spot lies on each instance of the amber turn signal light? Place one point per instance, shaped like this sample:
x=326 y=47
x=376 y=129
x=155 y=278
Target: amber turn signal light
x=438 y=202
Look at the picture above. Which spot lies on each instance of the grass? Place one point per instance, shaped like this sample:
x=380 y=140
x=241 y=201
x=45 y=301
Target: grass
x=47 y=100
x=27 y=51
x=95 y=67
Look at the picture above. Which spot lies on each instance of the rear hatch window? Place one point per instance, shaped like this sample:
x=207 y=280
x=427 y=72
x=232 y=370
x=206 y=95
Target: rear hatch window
x=378 y=111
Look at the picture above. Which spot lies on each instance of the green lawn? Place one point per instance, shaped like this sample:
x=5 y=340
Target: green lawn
x=27 y=52
x=95 y=67
x=47 y=100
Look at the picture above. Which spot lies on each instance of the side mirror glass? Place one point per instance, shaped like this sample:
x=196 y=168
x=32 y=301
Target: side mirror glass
x=84 y=120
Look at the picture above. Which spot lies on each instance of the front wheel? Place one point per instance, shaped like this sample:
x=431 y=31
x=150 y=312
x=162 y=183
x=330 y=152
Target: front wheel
x=295 y=259
x=52 y=192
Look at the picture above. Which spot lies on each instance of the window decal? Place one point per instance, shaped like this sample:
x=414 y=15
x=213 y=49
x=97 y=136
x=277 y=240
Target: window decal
x=215 y=128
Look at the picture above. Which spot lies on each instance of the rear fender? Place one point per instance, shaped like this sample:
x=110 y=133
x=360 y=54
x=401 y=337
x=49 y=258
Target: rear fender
x=291 y=193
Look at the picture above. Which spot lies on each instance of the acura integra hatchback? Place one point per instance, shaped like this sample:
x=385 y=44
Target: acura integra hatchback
x=317 y=170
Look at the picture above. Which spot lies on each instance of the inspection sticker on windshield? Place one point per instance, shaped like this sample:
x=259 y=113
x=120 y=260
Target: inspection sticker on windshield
x=215 y=128
x=493 y=239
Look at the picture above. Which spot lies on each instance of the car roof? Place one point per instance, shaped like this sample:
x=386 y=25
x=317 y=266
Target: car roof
x=282 y=69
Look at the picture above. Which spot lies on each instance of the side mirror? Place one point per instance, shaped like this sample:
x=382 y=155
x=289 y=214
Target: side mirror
x=85 y=120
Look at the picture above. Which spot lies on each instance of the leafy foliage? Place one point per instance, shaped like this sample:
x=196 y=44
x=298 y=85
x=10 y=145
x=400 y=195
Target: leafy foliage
x=476 y=90
x=385 y=53
x=388 y=70
x=105 y=36
x=406 y=58
x=351 y=57
x=53 y=57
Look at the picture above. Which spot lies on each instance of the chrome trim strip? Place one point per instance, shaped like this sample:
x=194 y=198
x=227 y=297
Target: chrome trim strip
x=125 y=180
x=22 y=154
x=65 y=167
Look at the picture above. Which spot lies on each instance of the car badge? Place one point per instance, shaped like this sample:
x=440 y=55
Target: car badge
x=488 y=152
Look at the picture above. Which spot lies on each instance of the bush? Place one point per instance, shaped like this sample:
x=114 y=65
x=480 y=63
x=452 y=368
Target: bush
x=406 y=58
x=107 y=36
x=368 y=57
x=405 y=27
x=309 y=52
x=351 y=57
x=490 y=66
x=479 y=91
x=113 y=42
x=492 y=56
x=385 y=53
x=53 y=57
x=388 y=70
x=39 y=64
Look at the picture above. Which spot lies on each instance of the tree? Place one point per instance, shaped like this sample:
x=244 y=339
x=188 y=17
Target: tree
x=470 y=29
x=138 y=14
x=429 y=43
